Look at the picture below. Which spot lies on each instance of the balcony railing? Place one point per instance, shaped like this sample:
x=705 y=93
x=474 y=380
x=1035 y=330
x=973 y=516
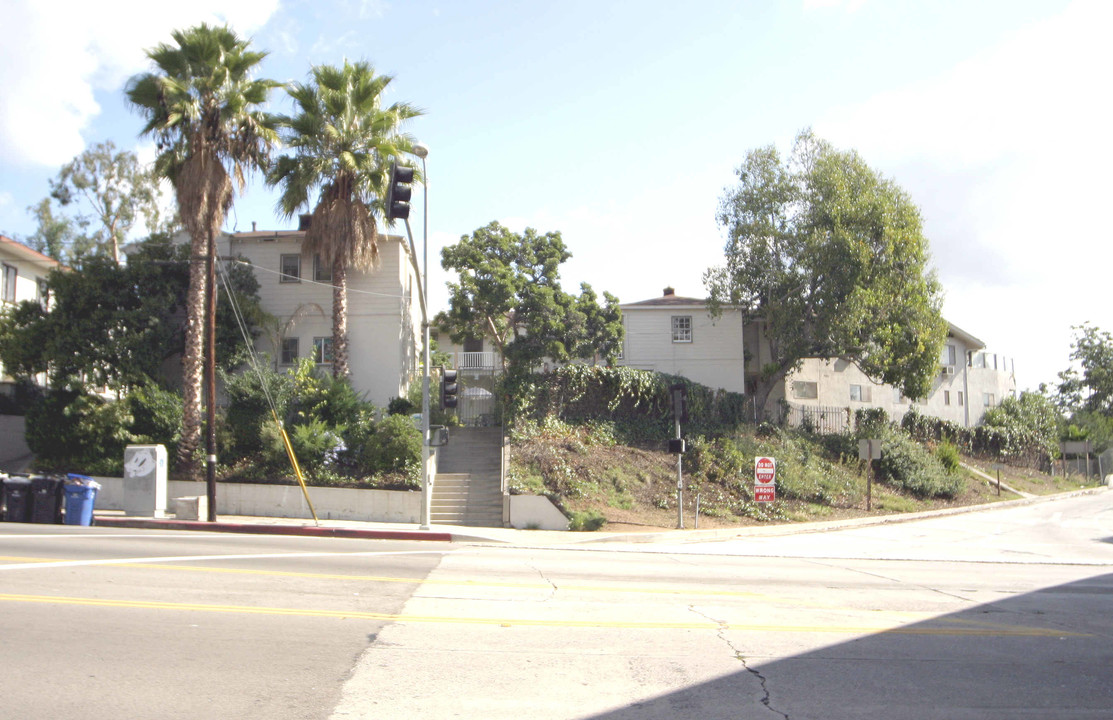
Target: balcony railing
x=476 y=360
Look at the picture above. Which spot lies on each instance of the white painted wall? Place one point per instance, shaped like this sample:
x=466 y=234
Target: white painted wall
x=384 y=314
x=713 y=358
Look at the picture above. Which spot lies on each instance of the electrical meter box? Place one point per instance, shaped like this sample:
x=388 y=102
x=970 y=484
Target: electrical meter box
x=145 y=480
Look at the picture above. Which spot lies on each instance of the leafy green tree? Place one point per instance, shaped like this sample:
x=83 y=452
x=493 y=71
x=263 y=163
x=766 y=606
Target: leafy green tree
x=112 y=326
x=110 y=193
x=56 y=234
x=343 y=142
x=1085 y=390
x=830 y=256
x=1088 y=386
x=508 y=289
x=1030 y=415
x=203 y=107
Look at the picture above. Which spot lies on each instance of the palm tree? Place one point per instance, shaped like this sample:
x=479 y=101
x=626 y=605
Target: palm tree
x=343 y=142
x=203 y=109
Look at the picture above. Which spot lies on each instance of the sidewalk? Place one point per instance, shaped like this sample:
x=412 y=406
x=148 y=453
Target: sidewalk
x=530 y=538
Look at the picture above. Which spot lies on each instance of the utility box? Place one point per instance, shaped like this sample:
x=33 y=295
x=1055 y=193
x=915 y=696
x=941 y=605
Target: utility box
x=144 y=491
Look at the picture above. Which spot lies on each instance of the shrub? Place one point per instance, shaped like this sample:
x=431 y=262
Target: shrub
x=948 y=456
x=394 y=446
x=156 y=416
x=908 y=466
x=586 y=521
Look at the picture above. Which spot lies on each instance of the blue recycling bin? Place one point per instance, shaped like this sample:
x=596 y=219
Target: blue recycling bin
x=79 y=502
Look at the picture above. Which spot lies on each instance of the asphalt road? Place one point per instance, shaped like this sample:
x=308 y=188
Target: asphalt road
x=998 y=614
x=99 y=623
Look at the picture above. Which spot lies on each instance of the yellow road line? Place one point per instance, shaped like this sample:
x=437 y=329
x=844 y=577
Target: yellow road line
x=537 y=622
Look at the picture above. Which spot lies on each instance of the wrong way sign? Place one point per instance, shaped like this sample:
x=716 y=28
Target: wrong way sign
x=765 y=477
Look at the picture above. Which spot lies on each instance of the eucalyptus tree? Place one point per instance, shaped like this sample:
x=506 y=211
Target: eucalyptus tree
x=830 y=257
x=203 y=107
x=343 y=141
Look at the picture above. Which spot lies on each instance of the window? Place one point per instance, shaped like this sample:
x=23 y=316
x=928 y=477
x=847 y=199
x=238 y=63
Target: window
x=898 y=396
x=322 y=350
x=10 y=275
x=291 y=268
x=948 y=356
x=682 y=328
x=860 y=393
x=322 y=272
x=946 y=397
x=803 y=390
x=289 y=351
x=988 y=399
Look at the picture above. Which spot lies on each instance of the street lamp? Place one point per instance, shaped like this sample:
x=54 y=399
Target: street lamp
x=422 y=152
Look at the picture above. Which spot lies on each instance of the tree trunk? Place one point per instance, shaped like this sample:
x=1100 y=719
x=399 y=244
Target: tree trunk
x=192 y=358
x=340 y=366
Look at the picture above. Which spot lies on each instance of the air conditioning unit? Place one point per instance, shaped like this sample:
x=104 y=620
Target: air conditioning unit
x=948 y=370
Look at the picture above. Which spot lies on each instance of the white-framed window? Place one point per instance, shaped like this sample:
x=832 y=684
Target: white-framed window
x=949 y=355
x=322 y=350
x=11 y=274
x=898 y=397
x=960 y=399
x=682 y=328
x=860 y=393
x=289 y=351
x=946 y=397
x=322 y=272
x=290 y=267
x=989 y=400
x=805 y=390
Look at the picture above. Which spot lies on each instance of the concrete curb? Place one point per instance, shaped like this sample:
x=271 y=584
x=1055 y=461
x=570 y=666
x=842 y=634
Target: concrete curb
x=509 y=536
x=260 y=529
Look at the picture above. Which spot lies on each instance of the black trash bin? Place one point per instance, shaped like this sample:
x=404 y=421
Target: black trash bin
x=17 y=499
x=46 y=499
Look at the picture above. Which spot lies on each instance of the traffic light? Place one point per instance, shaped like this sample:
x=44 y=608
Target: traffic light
x=399 y=191
x=449 y=386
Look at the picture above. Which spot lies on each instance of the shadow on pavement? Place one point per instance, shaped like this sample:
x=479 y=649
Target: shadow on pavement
x=1045 y=654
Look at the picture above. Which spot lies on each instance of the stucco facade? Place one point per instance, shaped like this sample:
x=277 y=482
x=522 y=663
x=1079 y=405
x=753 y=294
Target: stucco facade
x=384 y=314
x=677 y=335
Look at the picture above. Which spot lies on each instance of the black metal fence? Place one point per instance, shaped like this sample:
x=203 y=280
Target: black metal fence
x=822 y=419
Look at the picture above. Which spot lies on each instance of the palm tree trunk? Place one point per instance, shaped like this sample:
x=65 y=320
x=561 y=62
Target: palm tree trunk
x=340 y=368
x=192 y=358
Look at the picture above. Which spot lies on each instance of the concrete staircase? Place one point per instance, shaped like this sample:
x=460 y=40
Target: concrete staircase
x=468 y=487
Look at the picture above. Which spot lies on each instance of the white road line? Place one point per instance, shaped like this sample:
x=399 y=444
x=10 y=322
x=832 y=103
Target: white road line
x=198 y=558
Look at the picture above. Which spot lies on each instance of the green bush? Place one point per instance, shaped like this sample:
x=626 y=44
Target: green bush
x=156 y=417
x=249 y=410
x=907 y=466
x=586 y=521
x=392 y=445
x=72 y=432
x=948 y=456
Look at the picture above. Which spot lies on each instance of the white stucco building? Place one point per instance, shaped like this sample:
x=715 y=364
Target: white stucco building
x=677 y=335
x=384 y=312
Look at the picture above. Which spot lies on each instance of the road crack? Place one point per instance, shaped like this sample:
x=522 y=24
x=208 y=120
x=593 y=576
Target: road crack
x=766 y=698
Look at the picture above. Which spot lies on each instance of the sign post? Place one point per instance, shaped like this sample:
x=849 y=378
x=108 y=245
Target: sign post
x=765 y=476
x=679 y=394
x=869 y=450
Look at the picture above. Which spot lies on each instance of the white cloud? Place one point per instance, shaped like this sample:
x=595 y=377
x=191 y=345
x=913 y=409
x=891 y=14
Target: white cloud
x=56 y=56
x=1007 y=154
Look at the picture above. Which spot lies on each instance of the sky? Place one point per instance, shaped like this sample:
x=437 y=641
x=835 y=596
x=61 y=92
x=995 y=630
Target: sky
x=621 y=124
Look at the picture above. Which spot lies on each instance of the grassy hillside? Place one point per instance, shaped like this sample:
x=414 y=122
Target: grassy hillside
x=597 y=480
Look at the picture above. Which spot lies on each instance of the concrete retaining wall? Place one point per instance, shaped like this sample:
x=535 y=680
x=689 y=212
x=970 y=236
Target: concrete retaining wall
x=287 y=501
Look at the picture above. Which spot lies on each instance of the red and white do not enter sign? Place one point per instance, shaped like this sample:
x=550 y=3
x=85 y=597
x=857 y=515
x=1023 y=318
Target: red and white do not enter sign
x=765 y=470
